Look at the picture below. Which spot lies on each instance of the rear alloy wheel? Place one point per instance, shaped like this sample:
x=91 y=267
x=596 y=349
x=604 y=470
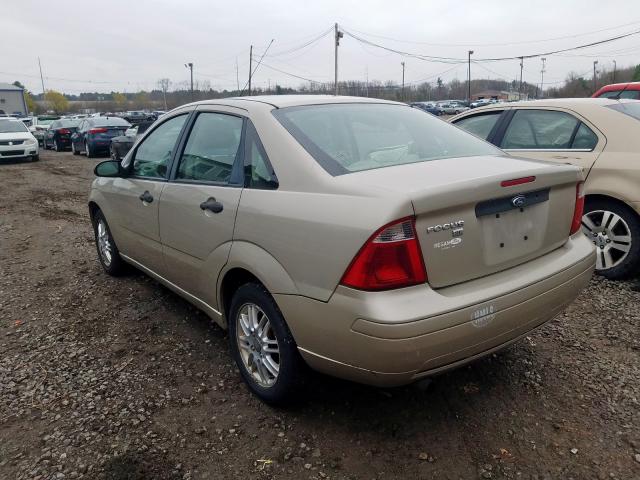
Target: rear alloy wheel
x=56 y=147
x=113 y=154
x=615 y=231
x=73 y=149
x=88 y=151
x=263 y=346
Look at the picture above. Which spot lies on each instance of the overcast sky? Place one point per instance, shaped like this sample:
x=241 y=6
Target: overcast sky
x=128 y=45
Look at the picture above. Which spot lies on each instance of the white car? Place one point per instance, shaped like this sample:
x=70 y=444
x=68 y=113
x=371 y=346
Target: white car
x=16 y=141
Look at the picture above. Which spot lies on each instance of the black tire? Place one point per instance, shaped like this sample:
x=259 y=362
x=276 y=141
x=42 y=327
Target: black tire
x=35 y=158
x=630 y=265
x=73 y=149
x=116 y=266
x=56 y=146
x=88 y=151
x=290 y=379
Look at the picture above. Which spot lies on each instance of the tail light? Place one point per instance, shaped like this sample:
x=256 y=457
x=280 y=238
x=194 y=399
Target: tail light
x=578 y=210
x=64 y=131
x=391 y=258
x=98 y=130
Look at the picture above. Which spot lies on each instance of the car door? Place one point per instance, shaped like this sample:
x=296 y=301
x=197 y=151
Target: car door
x=554 y=135
x=134 y=199
x=198 y=205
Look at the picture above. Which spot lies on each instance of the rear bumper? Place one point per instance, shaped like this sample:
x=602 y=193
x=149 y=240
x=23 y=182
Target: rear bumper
x=394 y=338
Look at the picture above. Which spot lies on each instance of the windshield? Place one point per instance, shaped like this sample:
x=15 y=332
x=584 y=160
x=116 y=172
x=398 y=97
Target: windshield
x=345 y=138
x=11 y=126
x=628 y=108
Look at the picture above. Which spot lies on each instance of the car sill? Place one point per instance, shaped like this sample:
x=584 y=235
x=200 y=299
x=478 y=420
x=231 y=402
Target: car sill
x=212 y=312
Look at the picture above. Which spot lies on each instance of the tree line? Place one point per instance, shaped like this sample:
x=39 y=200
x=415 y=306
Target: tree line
x=167 y=95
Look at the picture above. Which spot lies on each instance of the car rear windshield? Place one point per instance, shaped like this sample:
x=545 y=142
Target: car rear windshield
x=12 y=126
x=628 y=108
x=345 y=138
x=69 y=123
x=109 y=122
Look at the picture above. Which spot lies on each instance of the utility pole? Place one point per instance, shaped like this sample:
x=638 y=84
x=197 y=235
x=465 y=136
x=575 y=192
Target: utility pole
x=595 y=84
x=44 y=93
x=250 y=66
x=338 y=36
x=542 y=78
x=190 y=67
x=520 y=88
x=402 y=63
x=469 y=78
x=237 y=77
x=367 y=84
x=614 y=71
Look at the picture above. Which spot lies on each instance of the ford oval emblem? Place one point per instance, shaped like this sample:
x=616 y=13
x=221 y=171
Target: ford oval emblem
x=519 y=201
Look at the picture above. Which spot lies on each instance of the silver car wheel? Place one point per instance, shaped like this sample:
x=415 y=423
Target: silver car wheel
x=104 y=243
x=258 y=345
x=610 y=234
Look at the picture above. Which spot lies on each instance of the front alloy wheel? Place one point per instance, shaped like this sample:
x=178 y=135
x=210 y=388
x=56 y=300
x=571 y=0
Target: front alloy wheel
x=105 y=247
x=258 y=345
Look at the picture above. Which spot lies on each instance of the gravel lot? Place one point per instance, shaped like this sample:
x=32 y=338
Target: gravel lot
x=104 y=378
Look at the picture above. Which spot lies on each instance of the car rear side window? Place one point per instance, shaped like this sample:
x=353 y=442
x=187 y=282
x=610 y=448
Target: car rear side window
x=479 y=125
x=258 y=171
x=584 y=139
x=211 y=149
x=345 y=138
x=540 y=129
x=154 y=153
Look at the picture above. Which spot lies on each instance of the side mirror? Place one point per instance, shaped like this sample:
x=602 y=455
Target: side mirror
x=108 y=169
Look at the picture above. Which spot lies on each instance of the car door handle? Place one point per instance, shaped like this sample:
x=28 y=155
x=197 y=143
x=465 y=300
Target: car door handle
x=146 y=197
x=212 y=205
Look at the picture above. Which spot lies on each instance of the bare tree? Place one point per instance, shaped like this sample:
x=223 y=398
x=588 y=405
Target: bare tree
x=164 y=84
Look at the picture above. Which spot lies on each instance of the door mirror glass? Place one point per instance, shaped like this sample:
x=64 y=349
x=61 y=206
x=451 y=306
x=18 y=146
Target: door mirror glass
x=108 y=169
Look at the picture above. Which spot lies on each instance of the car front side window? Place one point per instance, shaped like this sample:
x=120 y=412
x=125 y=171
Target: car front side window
x=211 y=150
x=152 y=157
x=540 y=130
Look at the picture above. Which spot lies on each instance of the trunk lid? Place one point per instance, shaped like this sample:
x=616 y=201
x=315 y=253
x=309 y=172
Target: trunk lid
x=469 y=225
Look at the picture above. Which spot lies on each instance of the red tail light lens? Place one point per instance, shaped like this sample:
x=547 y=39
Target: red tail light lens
x=98 y=130
x=64 y=131
x=390 y=259
x=578 y=210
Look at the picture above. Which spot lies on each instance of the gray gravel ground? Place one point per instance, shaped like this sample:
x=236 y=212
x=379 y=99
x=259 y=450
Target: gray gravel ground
x=104 y=378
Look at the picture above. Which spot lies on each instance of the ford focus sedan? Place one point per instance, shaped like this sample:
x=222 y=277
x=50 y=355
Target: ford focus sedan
x=362 y=238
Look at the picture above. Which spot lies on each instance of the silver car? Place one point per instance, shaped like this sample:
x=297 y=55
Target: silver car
x=359 y=237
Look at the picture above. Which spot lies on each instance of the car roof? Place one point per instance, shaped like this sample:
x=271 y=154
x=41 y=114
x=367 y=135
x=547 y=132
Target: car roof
x=282 y=101
x=620 y=86
x=577 y=104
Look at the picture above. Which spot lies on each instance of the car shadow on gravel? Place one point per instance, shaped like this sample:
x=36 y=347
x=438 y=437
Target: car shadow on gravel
x=137 y=466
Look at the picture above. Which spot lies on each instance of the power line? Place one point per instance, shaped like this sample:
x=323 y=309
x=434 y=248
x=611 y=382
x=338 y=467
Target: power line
x=304 y=45
x=523 y=42
x=438 y=59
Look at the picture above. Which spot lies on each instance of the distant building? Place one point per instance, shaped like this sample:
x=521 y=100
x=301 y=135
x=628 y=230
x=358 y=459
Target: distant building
x=499 y=95
x=12 y=100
